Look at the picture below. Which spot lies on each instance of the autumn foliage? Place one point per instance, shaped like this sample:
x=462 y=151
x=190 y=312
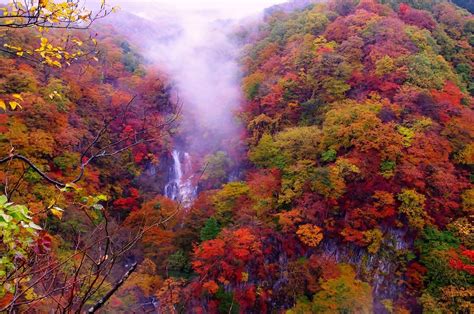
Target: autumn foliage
x=354 y=194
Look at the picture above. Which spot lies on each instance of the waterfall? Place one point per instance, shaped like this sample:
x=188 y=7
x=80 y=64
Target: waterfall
x=180 y=186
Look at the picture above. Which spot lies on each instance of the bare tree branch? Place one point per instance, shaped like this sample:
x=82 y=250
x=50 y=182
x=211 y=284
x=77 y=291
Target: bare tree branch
x=109 y=150
x=104 y=299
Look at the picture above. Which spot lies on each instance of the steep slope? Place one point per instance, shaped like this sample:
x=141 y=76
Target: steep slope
x=354 y=195
x=359 y=120
x=92 y=133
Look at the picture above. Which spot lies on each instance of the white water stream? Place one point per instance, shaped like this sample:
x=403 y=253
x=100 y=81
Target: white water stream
x=180 y=185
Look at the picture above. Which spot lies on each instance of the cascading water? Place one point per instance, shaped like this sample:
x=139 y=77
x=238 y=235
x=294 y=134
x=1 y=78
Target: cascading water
x=180 y=185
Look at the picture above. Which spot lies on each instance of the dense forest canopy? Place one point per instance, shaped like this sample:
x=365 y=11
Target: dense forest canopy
x=345 y=186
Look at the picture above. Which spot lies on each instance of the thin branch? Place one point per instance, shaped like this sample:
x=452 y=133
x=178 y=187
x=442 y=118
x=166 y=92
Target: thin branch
x=101 y=152
x=34 y=167
x=105 y=298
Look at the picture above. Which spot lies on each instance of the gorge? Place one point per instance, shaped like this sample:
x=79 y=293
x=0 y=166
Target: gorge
x=236 y=156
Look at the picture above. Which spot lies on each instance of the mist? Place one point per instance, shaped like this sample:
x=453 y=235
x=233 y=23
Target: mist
x=194 y=47
x=228 y=9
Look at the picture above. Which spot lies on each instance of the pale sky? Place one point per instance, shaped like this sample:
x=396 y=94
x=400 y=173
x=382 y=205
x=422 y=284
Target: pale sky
x=226 y=8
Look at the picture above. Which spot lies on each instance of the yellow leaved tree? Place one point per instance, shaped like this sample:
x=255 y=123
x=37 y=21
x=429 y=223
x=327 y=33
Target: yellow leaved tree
x=310 y=235
x=40 y=16
x=44 y=15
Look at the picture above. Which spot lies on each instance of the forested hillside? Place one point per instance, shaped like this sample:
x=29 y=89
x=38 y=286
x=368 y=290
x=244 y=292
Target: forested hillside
x=78 y=135
x=360 y=115
x=354 y=193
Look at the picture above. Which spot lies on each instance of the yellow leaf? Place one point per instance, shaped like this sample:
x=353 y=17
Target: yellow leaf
x=58 y=212
x=30 y=294
x=73 y=186
x=2 y=105
x=77 y=42
x=17 y=96
x=55 y=94
x=51 y=203
x=20 y=53
x=14 y=104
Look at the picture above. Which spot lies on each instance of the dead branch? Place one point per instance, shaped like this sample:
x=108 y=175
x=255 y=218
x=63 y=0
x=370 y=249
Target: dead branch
x=104 y=299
